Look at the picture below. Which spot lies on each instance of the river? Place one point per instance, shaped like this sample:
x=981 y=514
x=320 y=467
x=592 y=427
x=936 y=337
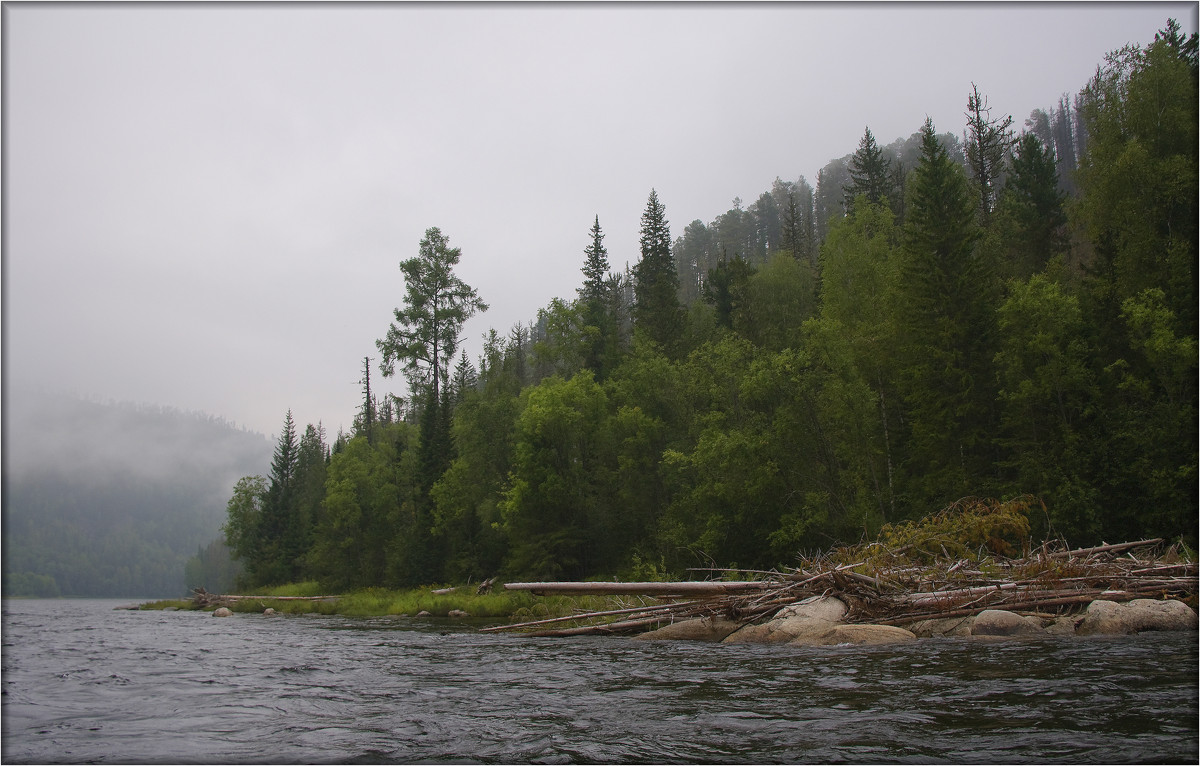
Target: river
x=83 y=683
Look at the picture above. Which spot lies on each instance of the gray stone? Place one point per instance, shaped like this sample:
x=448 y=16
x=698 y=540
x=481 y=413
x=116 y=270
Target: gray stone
x=457 y=613
x=269 y=610
x=711 y=629
x=998 y=622
x=942 y=626
x=423 y=613
x=860 y=635
x=1062 y=626
x=1111 y=618
x=812 y=617
x=222 y=611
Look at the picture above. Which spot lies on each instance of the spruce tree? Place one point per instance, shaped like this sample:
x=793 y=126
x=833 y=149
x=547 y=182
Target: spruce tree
x=870 y=174
x=656 y=309
x=1035 y=208
x=948 y=298
x=594 y=298
x=279 y=510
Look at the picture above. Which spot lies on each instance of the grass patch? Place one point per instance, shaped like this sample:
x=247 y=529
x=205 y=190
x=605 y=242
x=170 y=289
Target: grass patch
x=500 y=605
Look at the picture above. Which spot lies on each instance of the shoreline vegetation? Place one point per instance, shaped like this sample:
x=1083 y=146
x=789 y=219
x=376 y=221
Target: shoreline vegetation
x=951 y=567
x=998 y=315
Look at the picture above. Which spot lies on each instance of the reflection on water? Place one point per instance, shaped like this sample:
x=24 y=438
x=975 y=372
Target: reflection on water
x=84 y=683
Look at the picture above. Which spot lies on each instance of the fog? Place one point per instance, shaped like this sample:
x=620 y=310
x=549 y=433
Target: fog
x=205 y=205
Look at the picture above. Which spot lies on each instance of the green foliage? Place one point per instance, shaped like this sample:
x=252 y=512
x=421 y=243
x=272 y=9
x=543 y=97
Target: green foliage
x=656 y=310
x=963 y=529
x=775 y=301
x=426 y=330
x=870 y=174
x=948 y=297
x=799 y=402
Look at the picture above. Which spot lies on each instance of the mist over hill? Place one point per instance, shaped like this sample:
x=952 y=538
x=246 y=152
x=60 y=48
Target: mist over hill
x=111 y=499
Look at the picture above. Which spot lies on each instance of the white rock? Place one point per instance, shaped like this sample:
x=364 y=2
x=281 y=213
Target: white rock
x=222 y=611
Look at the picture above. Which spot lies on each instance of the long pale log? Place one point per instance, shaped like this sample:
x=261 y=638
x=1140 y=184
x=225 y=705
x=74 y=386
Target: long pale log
x=611 y=627
x=1104 y=549
x=588 y=615
x=694 y=588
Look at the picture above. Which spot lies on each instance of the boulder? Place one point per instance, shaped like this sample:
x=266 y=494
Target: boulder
x=1062 y=626
x=861 y=635
x=423 y=613
x=812 y=617
x=699 y=629
x=1111 y=618
x=458 y=613
x=269 y=611
x=941 y=627
x=222 y=611
x=998 y=622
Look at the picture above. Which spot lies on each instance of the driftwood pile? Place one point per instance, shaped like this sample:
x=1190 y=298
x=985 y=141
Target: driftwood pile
x=890 y=588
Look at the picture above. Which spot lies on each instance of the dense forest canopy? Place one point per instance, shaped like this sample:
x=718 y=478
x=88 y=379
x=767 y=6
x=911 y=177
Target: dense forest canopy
x=995 y=313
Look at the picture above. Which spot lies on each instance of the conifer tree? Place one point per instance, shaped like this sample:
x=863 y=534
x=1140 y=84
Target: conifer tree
x=988 y=142
x=594 y=298
x=870 y=173
x=656 y=309
x=1034 y=206
x=948 y=299
x=278 y=522
x=437 y=303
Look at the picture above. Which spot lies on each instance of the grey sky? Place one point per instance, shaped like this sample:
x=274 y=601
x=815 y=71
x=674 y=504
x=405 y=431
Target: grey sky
x=205 y=205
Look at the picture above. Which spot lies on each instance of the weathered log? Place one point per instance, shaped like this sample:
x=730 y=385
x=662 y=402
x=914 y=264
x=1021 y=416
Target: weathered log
x=605 y=629
x=692 y=588
x=588 y=615
x=1116 y=548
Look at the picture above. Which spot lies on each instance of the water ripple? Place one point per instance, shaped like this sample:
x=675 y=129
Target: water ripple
x=83 y=683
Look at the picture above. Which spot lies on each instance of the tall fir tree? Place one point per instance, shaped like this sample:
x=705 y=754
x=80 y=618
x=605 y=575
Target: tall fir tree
x=598 y=325
x=870 y=174
x=948 y=297
x=279 y=521
x=656 y=309
x=1034 y=208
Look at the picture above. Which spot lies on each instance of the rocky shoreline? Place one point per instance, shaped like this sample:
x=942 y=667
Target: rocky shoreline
x=819 y=621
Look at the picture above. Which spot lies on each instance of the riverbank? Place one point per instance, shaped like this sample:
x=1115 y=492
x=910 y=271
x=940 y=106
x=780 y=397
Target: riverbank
x=432 y=601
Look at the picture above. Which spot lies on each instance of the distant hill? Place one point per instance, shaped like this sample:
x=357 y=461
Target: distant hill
x=104 y=499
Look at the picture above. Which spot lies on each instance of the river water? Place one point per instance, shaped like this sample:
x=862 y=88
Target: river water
x=83 y=683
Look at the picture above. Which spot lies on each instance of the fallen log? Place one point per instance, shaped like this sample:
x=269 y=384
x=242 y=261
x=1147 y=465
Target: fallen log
x=1116 y=548
x=661 y=589
x=589 y=615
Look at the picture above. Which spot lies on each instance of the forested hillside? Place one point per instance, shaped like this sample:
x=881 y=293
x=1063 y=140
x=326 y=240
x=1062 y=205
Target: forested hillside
x=113 y=499
x=1006 y=312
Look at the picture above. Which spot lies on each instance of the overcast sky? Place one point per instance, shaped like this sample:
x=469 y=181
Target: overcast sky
x=205 y=205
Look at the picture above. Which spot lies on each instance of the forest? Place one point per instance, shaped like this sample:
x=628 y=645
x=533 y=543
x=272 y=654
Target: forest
x=1006 y=313
x=107 y=499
